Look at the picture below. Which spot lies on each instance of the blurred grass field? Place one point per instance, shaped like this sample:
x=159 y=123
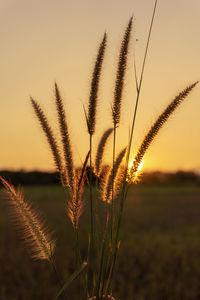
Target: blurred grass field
x=159 y=256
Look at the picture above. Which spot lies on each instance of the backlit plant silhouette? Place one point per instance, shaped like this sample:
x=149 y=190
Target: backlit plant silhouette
x=96 y=270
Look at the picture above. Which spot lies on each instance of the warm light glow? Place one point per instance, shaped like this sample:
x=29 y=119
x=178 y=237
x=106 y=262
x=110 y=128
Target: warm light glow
x=28 y=28
x=140 y=166
x=138 y=170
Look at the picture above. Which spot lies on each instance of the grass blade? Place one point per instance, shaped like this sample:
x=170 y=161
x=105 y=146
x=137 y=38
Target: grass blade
x=71 y=278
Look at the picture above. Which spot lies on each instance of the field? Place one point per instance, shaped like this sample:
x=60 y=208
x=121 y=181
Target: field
x=159 y=255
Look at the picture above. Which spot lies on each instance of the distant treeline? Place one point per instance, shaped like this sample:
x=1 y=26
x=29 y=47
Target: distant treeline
x=178 y=178
x=30 y=178
x=52 y=178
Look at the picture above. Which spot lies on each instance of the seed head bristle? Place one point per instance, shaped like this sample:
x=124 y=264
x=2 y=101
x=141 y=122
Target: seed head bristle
x=91 y=117
x=67 y=149
x=35 y=232
x=112 y=175
x=161 y=120
x=74 y=209
x=121 y=69
x=50 y=137
x=100 y=151
x=75 y=205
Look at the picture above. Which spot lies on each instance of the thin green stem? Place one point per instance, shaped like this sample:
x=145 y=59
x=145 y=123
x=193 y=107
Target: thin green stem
x=124 y=186
x=104 y=275
x=97 y=219
x=71 y=278
x=141 y=78
x=113 y=172
x=57 y=276
x=78 y=255
x=116 y=239
x=78 y=252
x=109 y=281
x=85 y=296
x=92 y=244
x=86 y=291
x=91 y=198
x=102 y=259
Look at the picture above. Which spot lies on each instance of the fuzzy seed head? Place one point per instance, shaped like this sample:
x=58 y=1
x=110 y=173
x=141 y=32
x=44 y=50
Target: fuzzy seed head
x=100 y=151
x=35 y=233
x=114 y=176
x=74 y=206
x=161 y=120
x=91 y=117
x=67 y=149
x=121 y=69
x=50 y=137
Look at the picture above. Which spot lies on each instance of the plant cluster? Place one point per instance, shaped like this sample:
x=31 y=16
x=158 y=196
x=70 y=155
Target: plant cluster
x=95 y=271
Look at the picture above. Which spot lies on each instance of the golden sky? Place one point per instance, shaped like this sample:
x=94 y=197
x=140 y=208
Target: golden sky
x=48 y=40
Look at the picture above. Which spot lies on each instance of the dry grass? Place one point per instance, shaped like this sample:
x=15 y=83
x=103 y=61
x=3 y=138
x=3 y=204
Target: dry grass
x=91 y=116
x=155 y=128
x=66 y=142
x=112 y=178
x=100 y=151
x=120 y=75
x=35 y=233
x=101 y=256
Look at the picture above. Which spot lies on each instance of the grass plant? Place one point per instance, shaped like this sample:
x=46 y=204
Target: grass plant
x=91 y=119
x=95 y=269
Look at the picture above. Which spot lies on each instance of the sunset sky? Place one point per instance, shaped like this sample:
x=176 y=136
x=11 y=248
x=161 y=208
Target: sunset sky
x=47 y=41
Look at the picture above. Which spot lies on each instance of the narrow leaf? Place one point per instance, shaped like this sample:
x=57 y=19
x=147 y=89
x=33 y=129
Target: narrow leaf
x=71 y=278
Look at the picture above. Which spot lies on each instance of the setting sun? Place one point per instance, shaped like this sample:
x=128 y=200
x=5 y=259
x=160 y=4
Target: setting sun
x=100 y=126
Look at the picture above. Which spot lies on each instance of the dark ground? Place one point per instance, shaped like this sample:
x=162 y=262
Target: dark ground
x=159 y=255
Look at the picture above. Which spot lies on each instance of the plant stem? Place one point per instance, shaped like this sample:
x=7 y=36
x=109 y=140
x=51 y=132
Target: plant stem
x=124 y=186
x=78 y=252
x=91 y=198
x=92 y=253
x=97 y=219
x=116 y=239
x=78 y=257
x=102 y=259
x=57 y=276
x=113 y=171
x=104 y=274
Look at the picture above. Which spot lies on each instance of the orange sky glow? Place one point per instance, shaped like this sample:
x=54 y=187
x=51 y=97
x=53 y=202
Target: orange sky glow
x=47 y=41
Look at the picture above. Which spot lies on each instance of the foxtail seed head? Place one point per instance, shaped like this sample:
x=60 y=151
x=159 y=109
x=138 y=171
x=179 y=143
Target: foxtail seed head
x=91 y=116
x=35 y=233
x=112 y=176
x=100 y=150
x=153 y=131
x=121 y=69
x=50 y=137
x=67 y=149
